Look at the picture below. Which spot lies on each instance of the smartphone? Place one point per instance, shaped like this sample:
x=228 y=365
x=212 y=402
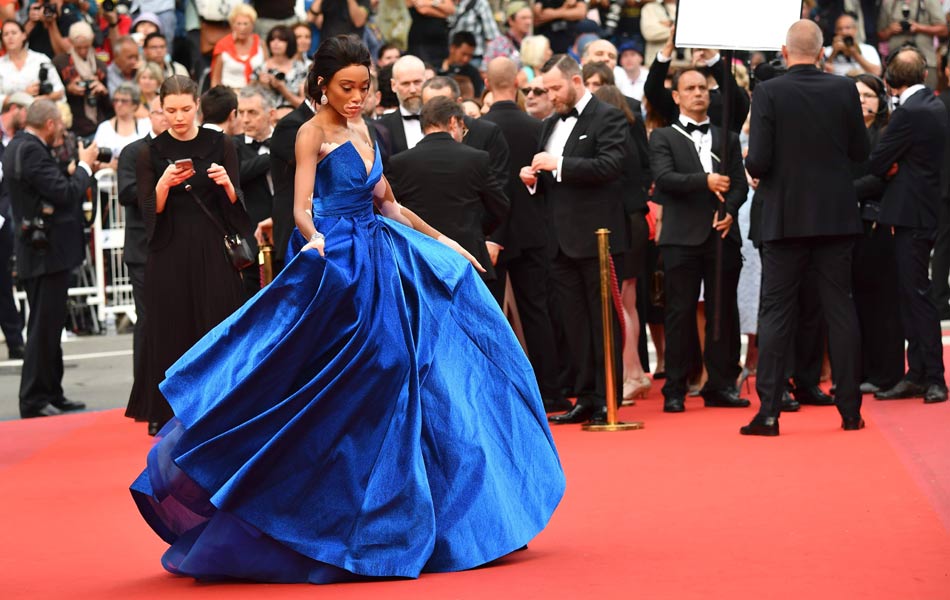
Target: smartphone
x=184 y=163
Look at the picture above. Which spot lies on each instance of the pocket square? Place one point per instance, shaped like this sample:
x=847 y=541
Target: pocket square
x=582 y=137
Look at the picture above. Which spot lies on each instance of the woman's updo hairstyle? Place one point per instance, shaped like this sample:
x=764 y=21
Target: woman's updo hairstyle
x=178 y=84
x=335 y=53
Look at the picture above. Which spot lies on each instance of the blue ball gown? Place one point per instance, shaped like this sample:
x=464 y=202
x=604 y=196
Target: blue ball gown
x=368 y=414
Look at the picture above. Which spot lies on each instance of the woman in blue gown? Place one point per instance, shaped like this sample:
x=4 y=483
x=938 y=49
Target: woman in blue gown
x=369 y=413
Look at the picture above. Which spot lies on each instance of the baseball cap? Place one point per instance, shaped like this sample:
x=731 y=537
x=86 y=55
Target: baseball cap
x=20 y=99
x=635 y=45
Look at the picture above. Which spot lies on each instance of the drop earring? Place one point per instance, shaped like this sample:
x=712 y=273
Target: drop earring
x=324 y=99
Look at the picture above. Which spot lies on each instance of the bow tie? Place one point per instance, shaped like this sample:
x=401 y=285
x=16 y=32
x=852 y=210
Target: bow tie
x=703 y=129
x=257 y=145
x=410 y=117
x=567 y=116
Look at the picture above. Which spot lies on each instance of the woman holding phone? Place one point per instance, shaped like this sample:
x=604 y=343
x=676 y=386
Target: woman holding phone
x=192 y=285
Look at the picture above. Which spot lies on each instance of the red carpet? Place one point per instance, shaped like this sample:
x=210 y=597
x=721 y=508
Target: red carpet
x=685 y=508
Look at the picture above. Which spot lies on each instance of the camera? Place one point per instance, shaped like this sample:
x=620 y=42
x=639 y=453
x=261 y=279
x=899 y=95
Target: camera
x=46 y=88
x=120 y=6
x=848 y=40
x=612 y=18
x=278 y=75
x=905 y=21
x=105 y=155
x=91 y=99
x=35 y=229
x=49 y=11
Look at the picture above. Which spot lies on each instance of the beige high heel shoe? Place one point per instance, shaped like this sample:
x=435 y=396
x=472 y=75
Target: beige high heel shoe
x=635 y=388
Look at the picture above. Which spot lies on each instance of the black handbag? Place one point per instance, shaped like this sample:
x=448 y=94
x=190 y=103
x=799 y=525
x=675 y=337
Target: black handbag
x=235 y=246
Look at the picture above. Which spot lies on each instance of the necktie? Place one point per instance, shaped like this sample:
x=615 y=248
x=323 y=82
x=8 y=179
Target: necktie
x=256 y=145
x=567 y=116
x=410 y=117
x=703 y=129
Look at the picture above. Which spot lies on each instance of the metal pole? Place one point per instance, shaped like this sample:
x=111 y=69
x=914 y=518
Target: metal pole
x=726 y=60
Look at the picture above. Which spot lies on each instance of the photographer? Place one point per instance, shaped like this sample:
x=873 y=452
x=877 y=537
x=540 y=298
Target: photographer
x=47 y=212
x=23 y=70
x=914 y=23
x=47 y=24
x=283 y=73
x=85 y=78
x=845 y=55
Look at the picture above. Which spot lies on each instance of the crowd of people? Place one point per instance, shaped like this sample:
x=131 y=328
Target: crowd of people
x=575 y=116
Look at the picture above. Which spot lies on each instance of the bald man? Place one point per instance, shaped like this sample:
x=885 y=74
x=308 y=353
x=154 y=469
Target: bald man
x=403 y=125
x=806 y=131
x=519 y=248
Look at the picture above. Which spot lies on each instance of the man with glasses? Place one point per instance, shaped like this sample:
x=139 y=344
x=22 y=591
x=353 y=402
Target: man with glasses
x=155 y=49
x=536 y=100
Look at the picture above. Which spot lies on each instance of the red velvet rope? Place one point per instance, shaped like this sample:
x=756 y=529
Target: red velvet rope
x=618 y=305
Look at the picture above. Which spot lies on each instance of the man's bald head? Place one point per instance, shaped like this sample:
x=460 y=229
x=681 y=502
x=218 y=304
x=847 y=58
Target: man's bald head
x=407 y=63
x=803 y=43
x=502 y=75
x=600 y=51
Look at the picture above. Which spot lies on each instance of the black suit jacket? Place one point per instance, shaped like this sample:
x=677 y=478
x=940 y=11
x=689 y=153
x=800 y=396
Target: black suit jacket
x=915 y=139
x=283 y=164
x=806 y=130
x=661 y=98
x=681 y=187
x=136 y=240
x=254 y=168
x=945 y=99
x=396 y=135
x=451 y=187
x=34 y=176
x=590 y=193
x=527 y=225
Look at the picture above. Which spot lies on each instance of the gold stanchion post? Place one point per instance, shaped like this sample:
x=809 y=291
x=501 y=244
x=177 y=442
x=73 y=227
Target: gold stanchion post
x=606 y=303
x=266 y=266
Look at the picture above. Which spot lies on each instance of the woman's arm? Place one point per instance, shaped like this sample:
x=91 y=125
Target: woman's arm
x=387 y=206
x=307 y=147
x=216 y=71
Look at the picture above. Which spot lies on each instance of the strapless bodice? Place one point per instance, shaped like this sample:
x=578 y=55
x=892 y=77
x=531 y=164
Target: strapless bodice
x=342 y=187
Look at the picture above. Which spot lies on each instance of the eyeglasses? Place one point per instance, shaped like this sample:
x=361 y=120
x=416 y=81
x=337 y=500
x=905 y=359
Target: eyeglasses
x=537 y=91
x=122 y=100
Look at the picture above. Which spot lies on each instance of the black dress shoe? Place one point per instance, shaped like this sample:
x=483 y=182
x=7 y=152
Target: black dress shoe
x=65 y=404
x=812 y=396
x=557 y=405
x=580 y=413
x=869 y=388
x=598 y=416
x=903 y=389
x=935 y=393
x=761 y=426
x=15 y=352
x=790 y=404
x=154 y=427
x=675 y=404
x=724 y=399
x=852 y=423
x=47 y=411
x=659 y=375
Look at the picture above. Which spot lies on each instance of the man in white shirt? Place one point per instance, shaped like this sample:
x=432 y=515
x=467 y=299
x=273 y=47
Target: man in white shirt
x=630 y=74
x=404 y=125
x=846 y=55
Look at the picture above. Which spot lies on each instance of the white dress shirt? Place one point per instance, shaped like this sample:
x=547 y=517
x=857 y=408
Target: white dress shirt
x=412 y=127
x=701 y=141
x=262 y=150
x=562 y=131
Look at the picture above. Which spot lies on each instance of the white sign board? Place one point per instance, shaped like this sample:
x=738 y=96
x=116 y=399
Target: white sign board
x=735 y=24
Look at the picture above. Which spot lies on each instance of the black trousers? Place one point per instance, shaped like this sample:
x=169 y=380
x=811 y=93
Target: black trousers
x=686 y=267
x=577 y=289
x=877 y=300
x=530 y=273
x=11 y=322
x=137 y=277
x=784 y=264
x=42 y=378
x=940 y=266
x=919 y=316
x=807 y=347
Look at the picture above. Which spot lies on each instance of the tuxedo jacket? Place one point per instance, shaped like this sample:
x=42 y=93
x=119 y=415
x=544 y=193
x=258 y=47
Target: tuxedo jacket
x=482 y=135
x=136 y=240
x=915 y=139
x=806 y=131
x=682 y=190
x=254 y=170
x=33 y=176
x=944 y=98
x=589 y=195
x=527 y=225
x=283 y=164
x=450 y=186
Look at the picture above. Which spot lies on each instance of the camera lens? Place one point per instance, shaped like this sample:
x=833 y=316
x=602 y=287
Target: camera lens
x=105 y=155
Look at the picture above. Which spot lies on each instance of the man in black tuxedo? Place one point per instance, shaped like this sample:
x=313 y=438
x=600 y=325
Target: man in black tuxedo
x=255 y=110
x=913 y=145
x=403 y=125
x=661 y=99
x=481 y=135
x=12 y=120
x=807 y=129
x=520 y=248
x=449 y=184
x=135 y=250
x=685 y=163
x=579 y=167
x=283 y=165
x=47 y=210
x=940 y=263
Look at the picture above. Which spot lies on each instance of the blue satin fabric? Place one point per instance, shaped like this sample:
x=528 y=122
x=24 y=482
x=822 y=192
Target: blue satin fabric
x=368 y=414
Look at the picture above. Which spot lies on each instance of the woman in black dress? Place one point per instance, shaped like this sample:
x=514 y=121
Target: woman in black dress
x=191 y=285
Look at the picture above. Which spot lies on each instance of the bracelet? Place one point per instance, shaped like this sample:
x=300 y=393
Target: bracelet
x=317 y=236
